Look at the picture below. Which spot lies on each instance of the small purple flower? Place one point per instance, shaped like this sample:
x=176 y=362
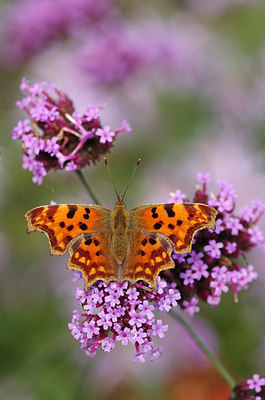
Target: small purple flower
x=234 y=225
x=187 y=276
x=231 y=247
x=194 y=257
x=213 y=248
x=92 y=112
x=159 y=329
x=200 y=269
x=124 y=336
x=71 y=166
x=156 y=353
x=139 y=357
x=219 y=227
x=107 y=344
x=256 y=235
x=125 y=126
x=147 y=308
x=177 y=197
x=190 y=307
x=256 y=382
x=104 y=320
x=204 y=177
x=136 y=318
x=21 y=128
x=90 y=329
x=106 y=135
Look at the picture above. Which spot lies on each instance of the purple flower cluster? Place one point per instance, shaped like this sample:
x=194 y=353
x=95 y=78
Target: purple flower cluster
x=126 y=53
x=56 y=136
x=122 y=313
x=250 y=389
x=214 y=263
x=28 y=25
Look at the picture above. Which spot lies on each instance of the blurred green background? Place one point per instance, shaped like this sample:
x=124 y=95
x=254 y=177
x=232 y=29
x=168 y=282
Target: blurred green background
x=214 y=122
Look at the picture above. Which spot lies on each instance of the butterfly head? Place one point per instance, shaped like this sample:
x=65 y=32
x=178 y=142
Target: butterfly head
x=120 y=201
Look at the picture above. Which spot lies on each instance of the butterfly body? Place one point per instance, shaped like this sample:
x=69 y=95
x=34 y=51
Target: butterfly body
x=121 y=244
x=120 y=235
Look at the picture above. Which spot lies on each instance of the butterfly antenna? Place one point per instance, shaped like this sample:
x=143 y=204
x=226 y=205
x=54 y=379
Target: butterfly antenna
x=125 y=191
x=111 y=178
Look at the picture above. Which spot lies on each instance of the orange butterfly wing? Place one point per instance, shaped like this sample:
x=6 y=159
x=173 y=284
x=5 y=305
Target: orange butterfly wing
x=64 y=222
x=86 y=228
x=177 y=221
x=90 y=255
x=149 y=254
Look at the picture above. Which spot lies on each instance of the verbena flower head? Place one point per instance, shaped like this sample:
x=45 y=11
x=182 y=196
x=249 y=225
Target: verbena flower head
x=214 y=265
x=250 y=389
x=29 y=26
x=55 y=136
x=121 y=313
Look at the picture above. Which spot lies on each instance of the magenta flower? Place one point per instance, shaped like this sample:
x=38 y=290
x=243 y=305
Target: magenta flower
x=250 y=389
x=58 y=137
x=256 y=382
x=213 y=266
x=117 y=312
x=106 y=135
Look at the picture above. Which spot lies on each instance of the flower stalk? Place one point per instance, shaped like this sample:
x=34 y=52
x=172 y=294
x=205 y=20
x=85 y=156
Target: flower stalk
x=209 y=354
x=86 y=185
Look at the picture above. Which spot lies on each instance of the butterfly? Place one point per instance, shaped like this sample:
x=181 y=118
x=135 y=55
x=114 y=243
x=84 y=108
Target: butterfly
x=121 y=244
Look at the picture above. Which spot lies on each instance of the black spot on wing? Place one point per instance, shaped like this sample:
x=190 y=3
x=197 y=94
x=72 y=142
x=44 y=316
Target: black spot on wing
x=179 y=222
x=169 y=210
x=85 y=216
x=154 y=213
x=96 y=242
x=62 y=224
x=82 y=226
x=144 y=241
x=88 y=242
x=72 y=211
x=158 y=225
x=152 y=241
x=171 y=226
x=70 y=227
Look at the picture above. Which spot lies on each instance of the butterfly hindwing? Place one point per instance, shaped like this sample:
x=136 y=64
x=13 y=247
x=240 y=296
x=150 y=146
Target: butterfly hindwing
x=150 y=254
x=64 y=222
x=177 y=221
x=89 y=254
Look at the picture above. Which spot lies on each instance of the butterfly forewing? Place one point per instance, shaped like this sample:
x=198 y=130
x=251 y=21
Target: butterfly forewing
x=89 y=254
x=64 y=222
x=177 y=221
x=149 y=254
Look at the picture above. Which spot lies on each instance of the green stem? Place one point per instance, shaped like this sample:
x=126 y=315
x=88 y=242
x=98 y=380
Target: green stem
x=80 y=175
x=217 y=363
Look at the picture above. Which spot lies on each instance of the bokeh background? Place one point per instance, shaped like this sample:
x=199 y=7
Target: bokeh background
x=189 y=76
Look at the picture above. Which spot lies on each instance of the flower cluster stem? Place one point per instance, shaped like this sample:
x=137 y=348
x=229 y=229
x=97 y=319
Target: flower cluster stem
x=217 y=363
x=87 y=186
